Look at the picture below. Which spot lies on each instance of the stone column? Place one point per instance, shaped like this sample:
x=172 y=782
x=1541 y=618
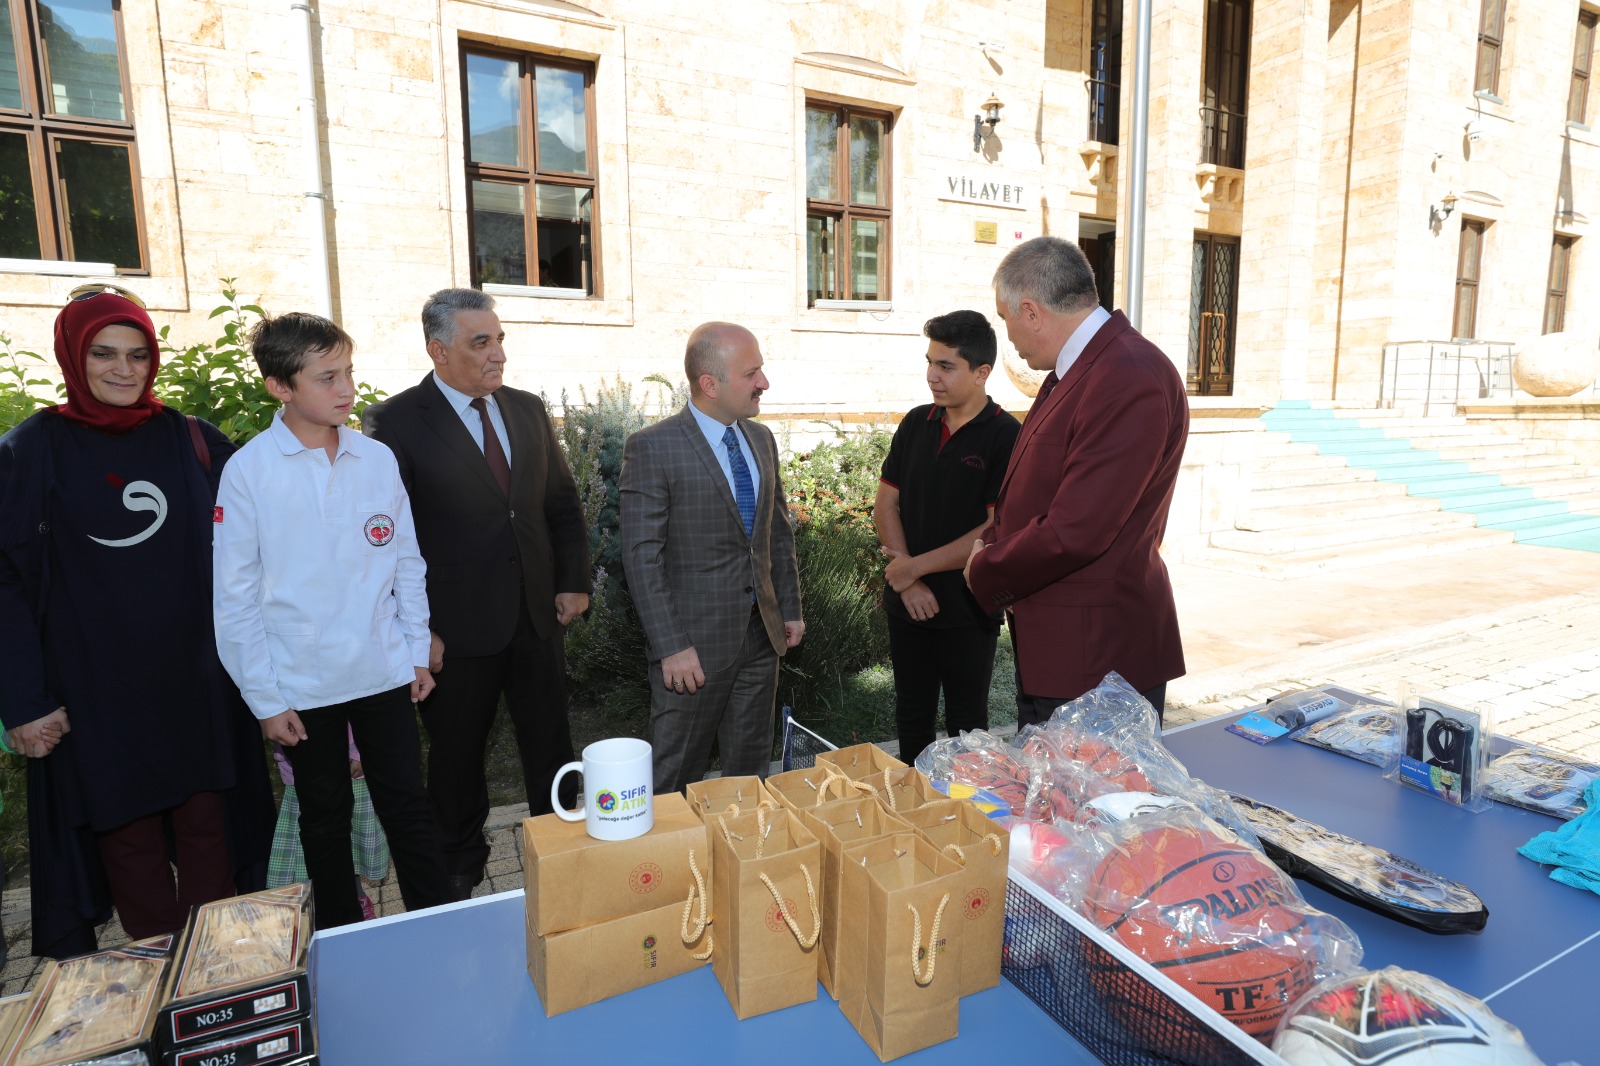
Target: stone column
x=1283 y=158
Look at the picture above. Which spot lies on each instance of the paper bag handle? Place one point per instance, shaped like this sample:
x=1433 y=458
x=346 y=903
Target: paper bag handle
x=933 y=941
x=555 y=800
x=704 y=919
x=788 y=919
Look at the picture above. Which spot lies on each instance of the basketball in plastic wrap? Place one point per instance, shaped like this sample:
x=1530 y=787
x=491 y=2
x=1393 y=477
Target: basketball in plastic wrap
x=1398 y=1018
x=1213 y=915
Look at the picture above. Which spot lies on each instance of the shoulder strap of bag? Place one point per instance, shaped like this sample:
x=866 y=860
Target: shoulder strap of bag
x=202 y=451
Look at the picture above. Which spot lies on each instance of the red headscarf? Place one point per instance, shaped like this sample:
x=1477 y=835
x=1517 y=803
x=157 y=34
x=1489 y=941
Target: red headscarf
x=76 y=326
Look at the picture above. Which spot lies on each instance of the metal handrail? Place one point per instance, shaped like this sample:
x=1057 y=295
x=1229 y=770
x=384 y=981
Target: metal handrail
x=1403 y=377
x=1105 y=104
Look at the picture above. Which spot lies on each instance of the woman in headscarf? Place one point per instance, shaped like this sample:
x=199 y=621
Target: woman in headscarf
x=141 y=753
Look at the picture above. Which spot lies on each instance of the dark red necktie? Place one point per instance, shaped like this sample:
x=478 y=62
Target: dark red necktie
x=1045 y=388
x=492 y=451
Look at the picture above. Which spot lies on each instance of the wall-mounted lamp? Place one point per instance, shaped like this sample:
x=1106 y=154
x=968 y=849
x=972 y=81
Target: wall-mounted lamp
x=1437 y=213
x=983 y=123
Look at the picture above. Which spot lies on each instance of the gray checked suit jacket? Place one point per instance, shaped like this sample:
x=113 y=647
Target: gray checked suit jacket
x=690 y=567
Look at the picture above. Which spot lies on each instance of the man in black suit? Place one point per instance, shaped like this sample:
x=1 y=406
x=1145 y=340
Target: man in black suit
x=501 y=527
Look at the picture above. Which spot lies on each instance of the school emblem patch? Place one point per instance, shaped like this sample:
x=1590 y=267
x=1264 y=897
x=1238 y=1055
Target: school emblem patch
x=379 y=530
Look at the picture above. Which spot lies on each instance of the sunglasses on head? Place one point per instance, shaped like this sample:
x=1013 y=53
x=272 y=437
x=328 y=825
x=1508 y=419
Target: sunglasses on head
x=95 y=288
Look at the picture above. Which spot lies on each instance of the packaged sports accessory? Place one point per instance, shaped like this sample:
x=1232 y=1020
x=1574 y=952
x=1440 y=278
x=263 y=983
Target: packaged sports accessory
x=1444 y=749
x=1363 y=873
x=1400 y=1018
x=1365 y=732
x=1541 y=779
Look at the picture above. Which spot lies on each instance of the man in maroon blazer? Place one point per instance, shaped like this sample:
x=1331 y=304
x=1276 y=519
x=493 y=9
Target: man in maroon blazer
x=1072 y=553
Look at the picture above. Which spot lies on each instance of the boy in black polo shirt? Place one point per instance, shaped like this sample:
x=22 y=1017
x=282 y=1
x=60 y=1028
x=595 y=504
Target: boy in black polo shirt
x=935 y=496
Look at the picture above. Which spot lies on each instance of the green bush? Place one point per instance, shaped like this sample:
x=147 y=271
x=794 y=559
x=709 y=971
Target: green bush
x=831 y=490
x=19 y=393
x=219 y=381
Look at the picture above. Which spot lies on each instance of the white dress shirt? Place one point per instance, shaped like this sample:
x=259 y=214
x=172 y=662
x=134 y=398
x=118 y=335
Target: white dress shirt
x=714 y=431
x=317 y=584
x=1079 y=340
x=462 y=404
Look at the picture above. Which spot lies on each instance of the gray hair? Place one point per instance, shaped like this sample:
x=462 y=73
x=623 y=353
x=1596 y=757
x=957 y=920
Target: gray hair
x=708 y=350
x=1049 y=270
x=439 y=313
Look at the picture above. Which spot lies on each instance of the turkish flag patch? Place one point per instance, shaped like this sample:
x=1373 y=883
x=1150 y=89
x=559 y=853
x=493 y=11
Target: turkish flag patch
x=216 y=515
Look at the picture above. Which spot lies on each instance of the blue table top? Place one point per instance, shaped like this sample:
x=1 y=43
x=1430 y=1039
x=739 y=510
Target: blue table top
x=1532 y=919
x=451 y=985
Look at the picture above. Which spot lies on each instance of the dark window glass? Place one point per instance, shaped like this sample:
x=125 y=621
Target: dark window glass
x=1468 y=263
x=69 y=178
x=530 y=173
x=847 y=197
x=1105 y=70
x=1225 y=82
x=19 y=221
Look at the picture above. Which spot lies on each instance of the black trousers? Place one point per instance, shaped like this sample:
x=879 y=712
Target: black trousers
x=385 y=728
x=532 y=674
x=960 y=661
x=1031 y=709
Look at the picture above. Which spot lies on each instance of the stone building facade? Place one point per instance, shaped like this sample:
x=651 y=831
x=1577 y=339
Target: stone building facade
x=617 y=171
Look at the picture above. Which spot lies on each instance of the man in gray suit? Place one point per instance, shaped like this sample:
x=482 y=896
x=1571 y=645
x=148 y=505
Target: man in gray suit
x=709 y=556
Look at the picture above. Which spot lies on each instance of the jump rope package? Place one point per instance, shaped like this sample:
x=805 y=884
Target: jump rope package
x=1444 y=749
x=1541 y=779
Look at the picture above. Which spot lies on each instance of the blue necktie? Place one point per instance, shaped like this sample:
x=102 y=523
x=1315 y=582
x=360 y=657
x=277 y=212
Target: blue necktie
x=744 y=490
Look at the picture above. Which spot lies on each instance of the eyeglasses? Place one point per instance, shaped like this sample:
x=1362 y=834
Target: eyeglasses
x=95 y=288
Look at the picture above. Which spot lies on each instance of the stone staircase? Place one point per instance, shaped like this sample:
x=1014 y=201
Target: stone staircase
x=1334 y=489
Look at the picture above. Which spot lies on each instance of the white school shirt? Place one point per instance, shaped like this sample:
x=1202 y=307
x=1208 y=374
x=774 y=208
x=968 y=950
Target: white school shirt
x=461 y=403
x=318 y=586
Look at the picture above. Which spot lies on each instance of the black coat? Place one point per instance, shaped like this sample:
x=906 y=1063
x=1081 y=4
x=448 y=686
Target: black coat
x=485 y=553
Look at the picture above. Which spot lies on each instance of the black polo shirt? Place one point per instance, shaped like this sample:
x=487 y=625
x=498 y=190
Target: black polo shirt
x=947 y=484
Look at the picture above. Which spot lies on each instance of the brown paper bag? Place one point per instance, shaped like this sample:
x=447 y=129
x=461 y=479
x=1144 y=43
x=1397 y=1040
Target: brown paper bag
x=904 y=789
x=837 y=825
x=859 y=762
x=574 y=880
x=766 y=873
x=581 y=966
x=800 y=790
x=982 y=847
x=715 y=795
x=900 y=944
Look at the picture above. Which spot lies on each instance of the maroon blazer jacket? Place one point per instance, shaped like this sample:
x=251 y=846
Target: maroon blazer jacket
x=1081 y=513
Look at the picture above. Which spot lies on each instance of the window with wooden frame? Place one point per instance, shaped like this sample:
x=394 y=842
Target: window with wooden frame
x=1491 y=39
x=847 y=203
x=1224 y=83
x=1555 y=300
x=1104 y=82
x=69 y=167
x=1582 y=59
x=1469 y=264
x=531 y=168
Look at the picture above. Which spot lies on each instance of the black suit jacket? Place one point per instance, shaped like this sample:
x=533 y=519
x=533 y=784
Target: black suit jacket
x=485 y=552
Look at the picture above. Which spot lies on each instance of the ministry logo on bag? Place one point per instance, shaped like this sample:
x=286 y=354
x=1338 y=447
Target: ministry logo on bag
x=379 y=530
x=644 y=878
x=977 y=903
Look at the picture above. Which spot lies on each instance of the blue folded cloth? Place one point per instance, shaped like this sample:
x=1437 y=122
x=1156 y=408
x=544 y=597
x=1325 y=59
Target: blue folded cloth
x=1574 y=849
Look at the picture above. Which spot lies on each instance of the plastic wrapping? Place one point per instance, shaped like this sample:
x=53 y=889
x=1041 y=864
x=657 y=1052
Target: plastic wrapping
x=1210 y=911
x=979 y=760
x=1379 y=880
x=1366 y=732
x=1444 y=749
x=1541 y=779
x=98 y=1008
x=1398 y=1016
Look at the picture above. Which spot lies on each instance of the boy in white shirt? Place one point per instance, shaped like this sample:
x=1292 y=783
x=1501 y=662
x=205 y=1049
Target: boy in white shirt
x=322 y=613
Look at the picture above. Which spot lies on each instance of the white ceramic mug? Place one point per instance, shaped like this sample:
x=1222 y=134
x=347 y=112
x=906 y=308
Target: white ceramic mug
x=617 y=801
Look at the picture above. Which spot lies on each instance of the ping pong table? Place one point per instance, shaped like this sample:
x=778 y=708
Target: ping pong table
x=1536 y=963
x=450 y=985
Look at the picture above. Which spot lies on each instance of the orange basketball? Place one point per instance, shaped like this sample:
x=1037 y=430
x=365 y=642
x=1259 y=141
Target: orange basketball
x=1213 y=915
x=1103 y=768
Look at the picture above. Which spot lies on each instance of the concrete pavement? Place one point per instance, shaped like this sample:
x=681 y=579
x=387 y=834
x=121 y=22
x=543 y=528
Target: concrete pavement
x=1514 y=627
